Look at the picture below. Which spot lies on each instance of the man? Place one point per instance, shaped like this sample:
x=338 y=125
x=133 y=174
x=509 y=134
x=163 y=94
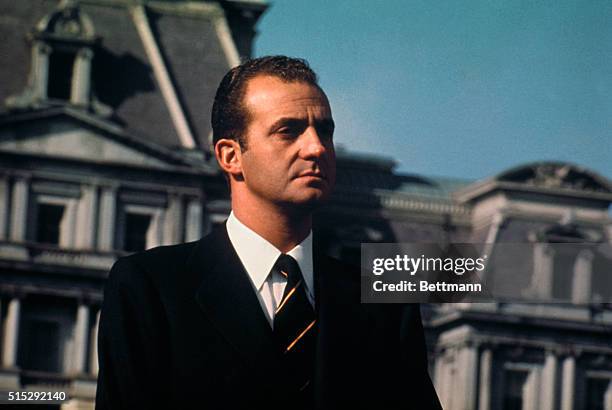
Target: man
x=254 y=315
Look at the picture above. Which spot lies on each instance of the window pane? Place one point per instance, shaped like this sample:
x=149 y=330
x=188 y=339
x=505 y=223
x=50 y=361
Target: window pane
x=60 y=75
x=563 y=273
x=41 y=346
x=136 y=227
x=596 y=390
x=48 y=223
x=513 y=389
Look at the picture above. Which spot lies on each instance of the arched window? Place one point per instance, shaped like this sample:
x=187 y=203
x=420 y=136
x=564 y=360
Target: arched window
x=63 y=45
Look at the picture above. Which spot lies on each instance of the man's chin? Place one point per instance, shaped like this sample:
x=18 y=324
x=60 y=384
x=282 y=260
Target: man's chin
x=309 y=200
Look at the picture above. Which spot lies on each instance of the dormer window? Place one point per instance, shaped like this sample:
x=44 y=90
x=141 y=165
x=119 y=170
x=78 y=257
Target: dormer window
x=61 y=64
x=63 y=45
x=563 y=263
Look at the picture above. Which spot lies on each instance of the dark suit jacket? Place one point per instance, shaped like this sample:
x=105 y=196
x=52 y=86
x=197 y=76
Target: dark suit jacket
x=181 y=328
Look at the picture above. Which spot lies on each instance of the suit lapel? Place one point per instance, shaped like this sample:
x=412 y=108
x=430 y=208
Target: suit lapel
x=227 y=297
x=339 y=327
x=337 y=295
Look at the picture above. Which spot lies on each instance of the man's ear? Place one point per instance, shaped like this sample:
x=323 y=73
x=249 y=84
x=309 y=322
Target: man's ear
x=229 y=156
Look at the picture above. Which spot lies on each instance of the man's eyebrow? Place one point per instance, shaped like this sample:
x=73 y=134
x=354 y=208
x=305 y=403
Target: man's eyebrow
x=297 y=121
x=288 y=121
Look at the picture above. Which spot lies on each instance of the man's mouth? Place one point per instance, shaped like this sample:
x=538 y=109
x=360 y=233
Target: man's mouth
x=315 y=174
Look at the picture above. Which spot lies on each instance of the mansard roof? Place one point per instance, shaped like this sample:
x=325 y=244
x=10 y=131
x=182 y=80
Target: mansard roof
x=363 y=172
x=19 y=17
x=193 y=39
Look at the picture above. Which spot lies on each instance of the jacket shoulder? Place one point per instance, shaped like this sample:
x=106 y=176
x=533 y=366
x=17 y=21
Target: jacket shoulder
x=162 y=256
x=152 y=265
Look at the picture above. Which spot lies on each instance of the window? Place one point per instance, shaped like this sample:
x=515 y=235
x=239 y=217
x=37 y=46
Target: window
x=136 y=229
x=141 y=221
x=41 y=346
x=563 y=274
x=61 y=65
x=595 y=392
x=48 y=223
x=601 y=285
x=513 y=389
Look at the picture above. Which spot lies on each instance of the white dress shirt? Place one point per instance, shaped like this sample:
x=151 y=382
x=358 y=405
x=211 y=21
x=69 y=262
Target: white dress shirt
x=258 y=257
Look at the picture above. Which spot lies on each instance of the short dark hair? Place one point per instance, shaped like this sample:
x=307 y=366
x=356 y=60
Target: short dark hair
x=229 y=116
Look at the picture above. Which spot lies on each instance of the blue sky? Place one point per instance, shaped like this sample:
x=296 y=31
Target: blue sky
x=458 y=88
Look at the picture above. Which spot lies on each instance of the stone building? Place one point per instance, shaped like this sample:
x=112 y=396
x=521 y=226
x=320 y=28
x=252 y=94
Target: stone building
x=558 y=355
x=104 y=137
x=105 y=114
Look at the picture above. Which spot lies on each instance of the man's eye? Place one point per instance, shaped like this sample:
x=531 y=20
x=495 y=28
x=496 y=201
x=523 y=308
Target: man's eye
x=288 y=131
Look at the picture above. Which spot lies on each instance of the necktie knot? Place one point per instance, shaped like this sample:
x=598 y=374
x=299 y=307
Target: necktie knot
x=289 y=268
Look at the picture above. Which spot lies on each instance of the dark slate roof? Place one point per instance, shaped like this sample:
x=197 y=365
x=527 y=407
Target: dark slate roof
x=196 y=62
x=436 y=187
x=362 y=172
x=123 y=78
x=17 y=18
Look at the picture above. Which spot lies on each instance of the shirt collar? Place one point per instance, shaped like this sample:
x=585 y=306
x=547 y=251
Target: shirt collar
x=258 y=256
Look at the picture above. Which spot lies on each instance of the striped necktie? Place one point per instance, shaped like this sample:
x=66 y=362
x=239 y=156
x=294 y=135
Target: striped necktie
x=295 y=328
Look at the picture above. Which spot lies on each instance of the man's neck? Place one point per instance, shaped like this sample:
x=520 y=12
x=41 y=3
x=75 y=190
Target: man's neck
x=284 y=230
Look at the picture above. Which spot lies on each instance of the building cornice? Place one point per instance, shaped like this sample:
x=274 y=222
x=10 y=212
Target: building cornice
x=398 y=201
x=479 y=189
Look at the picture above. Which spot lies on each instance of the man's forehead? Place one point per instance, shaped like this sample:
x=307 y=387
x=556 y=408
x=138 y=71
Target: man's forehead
x=269 y=93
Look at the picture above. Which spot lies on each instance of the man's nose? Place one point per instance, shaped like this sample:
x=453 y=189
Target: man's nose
x=313 y=144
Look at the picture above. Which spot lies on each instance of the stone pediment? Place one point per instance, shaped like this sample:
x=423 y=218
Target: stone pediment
x=556 y=175
x=561 y=180
x=80 y=136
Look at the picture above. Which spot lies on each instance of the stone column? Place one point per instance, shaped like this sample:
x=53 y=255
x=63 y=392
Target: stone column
x=107 y=219
x=531 y=390
x=581 y=286
x=543 y=271
x=86 y=218
x=465 y=389
x=444 y=379
x=486 y=368
x=10 y=333
x=568 y=385
x=608 y=397
x=549 y=382
x=4 y=205
x=79 y=93
x=173 y=221
x=193 y=220
x=438 y=368
x=93 y=360
x=19 y=209
x=68 y=226
x=81 y=329
x=40 y=69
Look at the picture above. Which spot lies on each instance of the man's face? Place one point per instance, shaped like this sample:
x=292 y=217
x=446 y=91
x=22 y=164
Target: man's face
x=290 y=159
